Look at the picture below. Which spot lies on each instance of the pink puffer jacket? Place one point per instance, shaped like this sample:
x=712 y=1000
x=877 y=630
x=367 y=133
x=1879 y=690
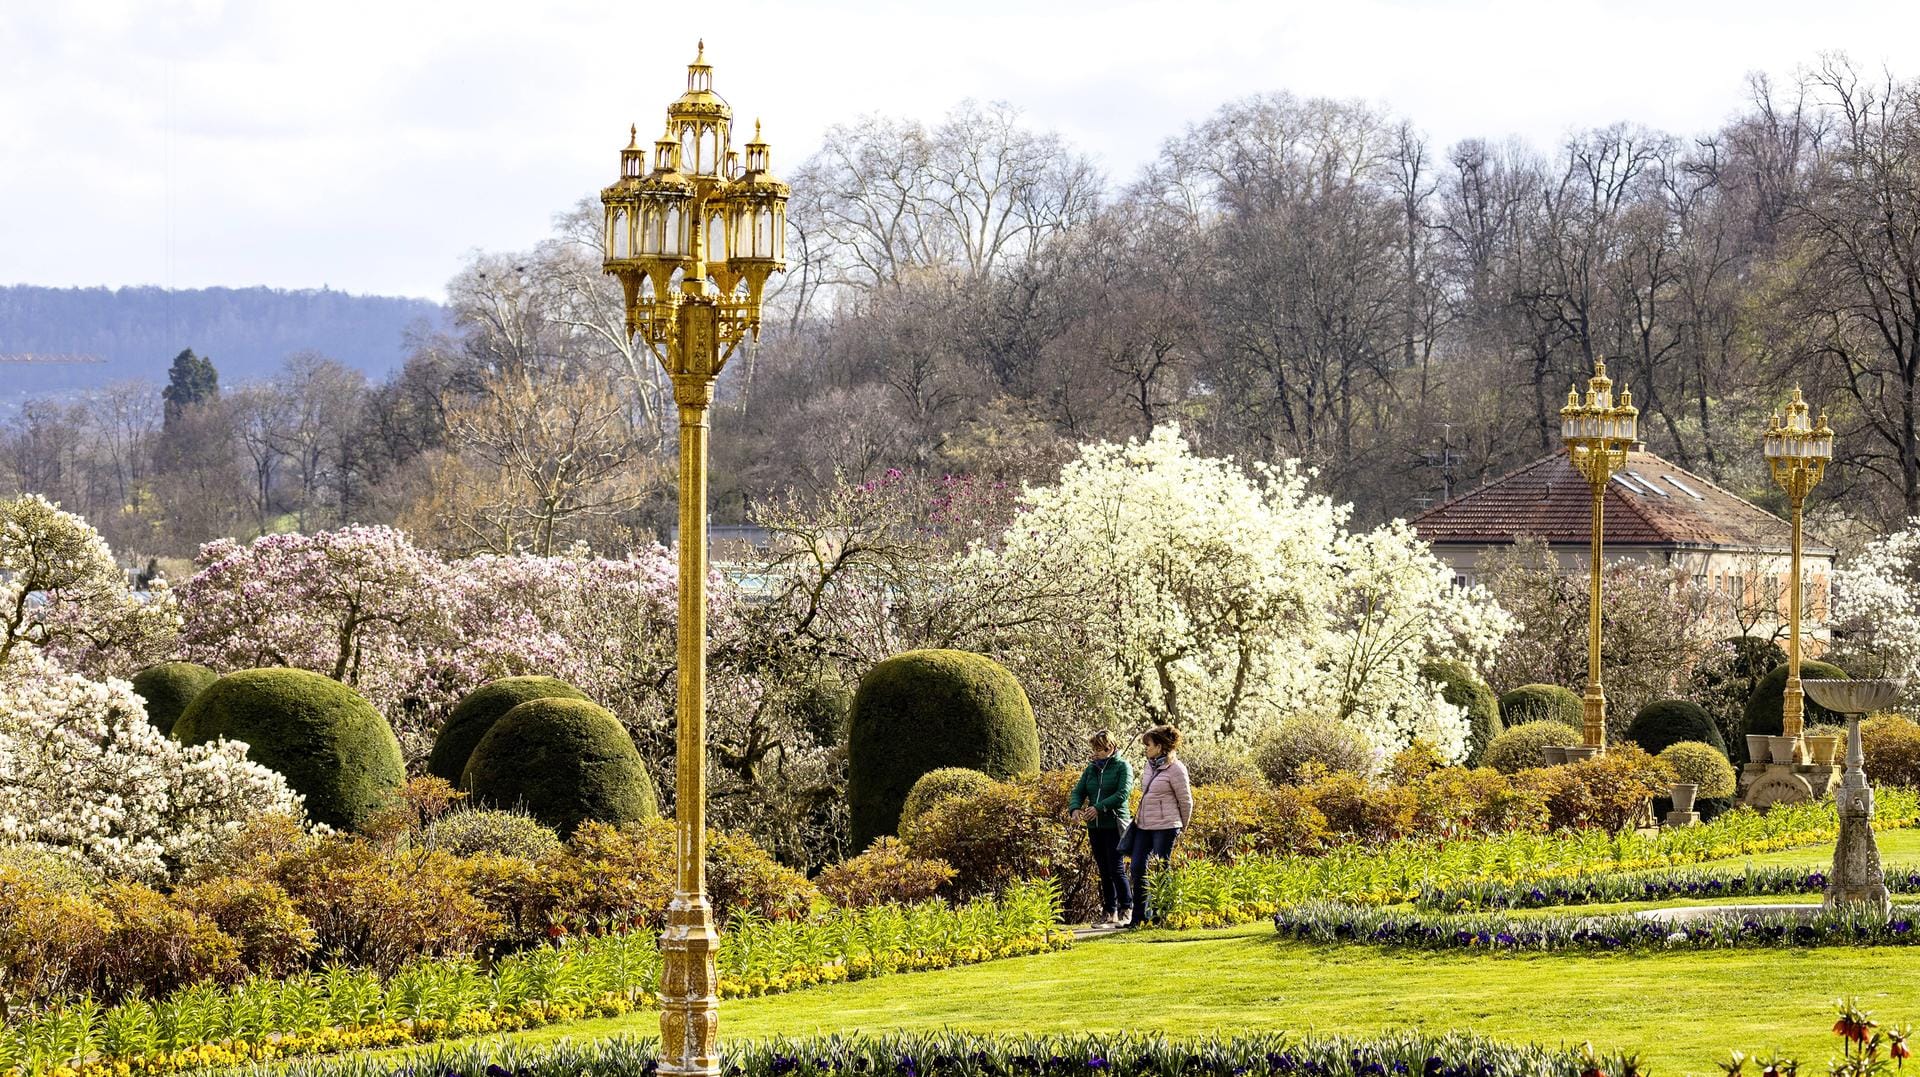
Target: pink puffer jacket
x=1166 y=800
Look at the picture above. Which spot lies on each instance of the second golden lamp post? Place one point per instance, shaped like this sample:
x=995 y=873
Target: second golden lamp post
x=1797 y=452
x=1598 y=433
x=692 y=240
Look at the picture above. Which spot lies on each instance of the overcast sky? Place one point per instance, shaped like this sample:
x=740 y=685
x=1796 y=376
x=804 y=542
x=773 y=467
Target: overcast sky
x=371 y=146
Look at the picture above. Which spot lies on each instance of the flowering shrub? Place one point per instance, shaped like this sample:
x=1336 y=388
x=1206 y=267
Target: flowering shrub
x=1455 y=802
x=490 y=830
x=1230 y=821
x=884 y=873
x=1302 y=748
x=87 y=775
x=1361 y=811
x=743 y=879
x=263 y=1020
x=1608 y=792
x=1002 y=833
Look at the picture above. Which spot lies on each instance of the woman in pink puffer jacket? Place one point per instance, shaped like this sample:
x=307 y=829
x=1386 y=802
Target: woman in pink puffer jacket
x=1166 y=804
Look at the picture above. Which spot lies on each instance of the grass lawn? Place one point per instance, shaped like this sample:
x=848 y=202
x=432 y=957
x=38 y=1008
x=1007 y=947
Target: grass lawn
x=1897 y=847
x=1682 y=1011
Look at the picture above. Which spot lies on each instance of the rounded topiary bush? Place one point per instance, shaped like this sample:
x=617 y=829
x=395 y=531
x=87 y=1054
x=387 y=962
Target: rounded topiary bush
x=490 y=831
x=167 y=689
x=937 y=785
x=476 y=713
x=1702 y=764
x=1518 y=747
x=923 y=710
x=1764 y=706
x=1670 y=721
x=332 y=747
x=1461 y=687
x=563 y=762
x=1301 y=748
x=1541 y=703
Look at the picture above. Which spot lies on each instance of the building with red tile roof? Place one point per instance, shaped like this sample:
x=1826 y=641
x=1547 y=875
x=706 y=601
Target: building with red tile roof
x=1656 y=511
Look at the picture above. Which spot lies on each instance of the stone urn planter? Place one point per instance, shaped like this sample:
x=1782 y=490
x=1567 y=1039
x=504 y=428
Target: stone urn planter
x=1784 y=748
x=1856 y=879
x=1578 y=752
x=1822 y=750
x=1758 y=750
x=1553 y=754
x=1684 y=794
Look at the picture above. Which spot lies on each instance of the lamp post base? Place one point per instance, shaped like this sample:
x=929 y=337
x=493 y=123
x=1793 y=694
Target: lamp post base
x=1593 y=710
x=690 y=990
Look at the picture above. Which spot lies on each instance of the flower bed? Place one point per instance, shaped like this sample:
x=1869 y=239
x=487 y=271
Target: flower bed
x=963 y=1055
x=1655 y=886
x=1198 y=893
x=1494 y=933
x=266 y=1019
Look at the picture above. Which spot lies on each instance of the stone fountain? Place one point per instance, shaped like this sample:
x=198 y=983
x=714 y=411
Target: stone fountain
x=1856 y=878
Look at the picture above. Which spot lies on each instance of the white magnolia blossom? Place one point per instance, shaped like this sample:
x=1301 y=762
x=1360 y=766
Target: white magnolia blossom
x=1876 y=607
x=82 y=772
x=1228 y=598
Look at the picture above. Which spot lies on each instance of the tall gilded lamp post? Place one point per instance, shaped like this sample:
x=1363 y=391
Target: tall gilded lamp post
x=692 y=239
x=1797 y=451
x=1598 y=433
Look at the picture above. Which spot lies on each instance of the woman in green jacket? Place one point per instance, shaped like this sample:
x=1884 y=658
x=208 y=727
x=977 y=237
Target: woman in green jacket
x=1102 y=799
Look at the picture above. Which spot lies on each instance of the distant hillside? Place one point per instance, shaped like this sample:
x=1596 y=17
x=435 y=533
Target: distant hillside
x=136 y=332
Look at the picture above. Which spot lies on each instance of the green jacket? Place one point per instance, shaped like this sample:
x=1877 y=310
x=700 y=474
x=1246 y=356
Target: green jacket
x=1107 y=786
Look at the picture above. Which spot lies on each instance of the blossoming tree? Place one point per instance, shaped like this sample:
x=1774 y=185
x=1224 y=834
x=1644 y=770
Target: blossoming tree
x=62 y=594
x=86 y=775
x=1222 y=598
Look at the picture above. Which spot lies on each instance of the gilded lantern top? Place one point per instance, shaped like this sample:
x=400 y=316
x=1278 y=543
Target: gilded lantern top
x=1794 y=435
x=1598 y=418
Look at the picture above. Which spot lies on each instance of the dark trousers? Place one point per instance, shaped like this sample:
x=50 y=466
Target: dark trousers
x=1115 y=896
x=1147 y=843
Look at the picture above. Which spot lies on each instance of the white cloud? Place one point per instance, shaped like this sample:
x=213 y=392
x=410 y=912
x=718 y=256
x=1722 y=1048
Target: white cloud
x=370 y=145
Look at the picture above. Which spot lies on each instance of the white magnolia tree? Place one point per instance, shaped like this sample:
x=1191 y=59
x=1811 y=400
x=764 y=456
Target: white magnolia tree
x=62 y=594
x=1876 y=607
x=1224 y=598
x=83 y=773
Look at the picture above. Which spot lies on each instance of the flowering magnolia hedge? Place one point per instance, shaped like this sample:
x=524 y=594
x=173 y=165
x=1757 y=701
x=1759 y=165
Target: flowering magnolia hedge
x=1492 y=932
x=963 y=1055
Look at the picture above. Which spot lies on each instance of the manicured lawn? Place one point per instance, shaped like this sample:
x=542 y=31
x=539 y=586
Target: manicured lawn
x=1682 y=1011
x=1897 y=847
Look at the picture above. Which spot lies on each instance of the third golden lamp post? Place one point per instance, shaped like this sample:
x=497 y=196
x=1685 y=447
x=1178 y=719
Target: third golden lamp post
x=1598 y=432
x=1797 y=452
x=692 y=240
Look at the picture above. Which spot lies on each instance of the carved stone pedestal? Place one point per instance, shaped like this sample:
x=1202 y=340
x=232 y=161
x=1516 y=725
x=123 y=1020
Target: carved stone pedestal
x=1682 y=818
x=1762 y=785
x=1856 y=878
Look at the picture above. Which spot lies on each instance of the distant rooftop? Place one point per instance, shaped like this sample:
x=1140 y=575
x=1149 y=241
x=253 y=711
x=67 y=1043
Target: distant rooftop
x=1652 y=502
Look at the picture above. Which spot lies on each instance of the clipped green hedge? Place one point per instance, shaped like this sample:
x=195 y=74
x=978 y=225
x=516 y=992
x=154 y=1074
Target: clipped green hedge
x=331 y=745
x=1763 y=713
x=938 y=785
x=1702 y=764
x=168 y=688
x=923 y=710
x=1463 y=688
x=1666 y=722
x=1518 y=747
x=1541 y=703
x=476 y=713
x=563 y=762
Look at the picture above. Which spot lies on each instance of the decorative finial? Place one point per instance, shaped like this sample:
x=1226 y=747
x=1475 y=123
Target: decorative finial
x=756 y=128
x=700 y=51
x=633 y=136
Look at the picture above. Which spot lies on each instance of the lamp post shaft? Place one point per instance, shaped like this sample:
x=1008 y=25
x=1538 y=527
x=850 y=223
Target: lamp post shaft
x=1793 y=706
x=690 y=1003
x=1593 y=705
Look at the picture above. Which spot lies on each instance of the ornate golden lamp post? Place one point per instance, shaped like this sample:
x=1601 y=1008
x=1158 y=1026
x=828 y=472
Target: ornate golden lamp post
x=693 y=240
x=1798 y=452
x=1598 y=434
